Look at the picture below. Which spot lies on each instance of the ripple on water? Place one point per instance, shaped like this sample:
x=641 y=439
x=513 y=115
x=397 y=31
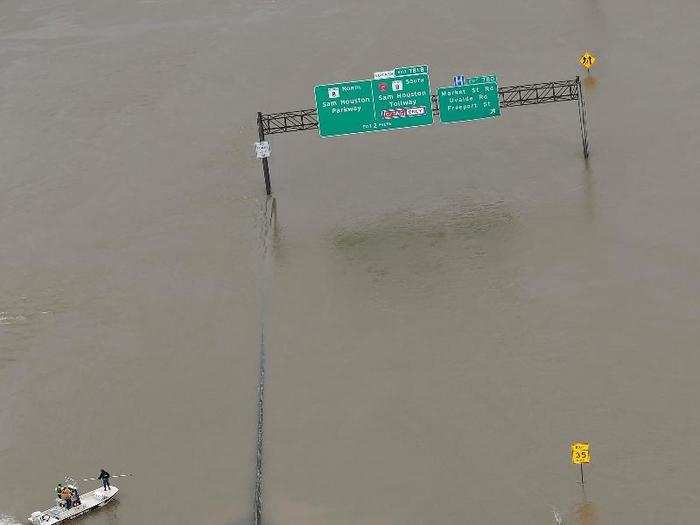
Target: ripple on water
x=6 y=318
x=8 y=520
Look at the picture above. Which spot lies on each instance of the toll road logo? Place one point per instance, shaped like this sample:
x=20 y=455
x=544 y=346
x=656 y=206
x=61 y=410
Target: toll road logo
x=389 y=114
x=393 y=113
x=333 y=92
x=397 y=85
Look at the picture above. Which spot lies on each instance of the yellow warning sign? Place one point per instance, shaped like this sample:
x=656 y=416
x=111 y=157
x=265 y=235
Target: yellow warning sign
x=587 y=59
x=580 y=453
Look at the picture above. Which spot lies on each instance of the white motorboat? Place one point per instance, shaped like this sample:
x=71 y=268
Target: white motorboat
x=88 y=501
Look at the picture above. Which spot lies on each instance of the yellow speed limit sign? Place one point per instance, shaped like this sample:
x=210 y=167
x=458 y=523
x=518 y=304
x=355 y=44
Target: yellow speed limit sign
x=580 y=453
x=587 y=59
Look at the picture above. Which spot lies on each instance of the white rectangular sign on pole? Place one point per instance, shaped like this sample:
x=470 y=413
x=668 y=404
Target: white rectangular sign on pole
x=262 y=149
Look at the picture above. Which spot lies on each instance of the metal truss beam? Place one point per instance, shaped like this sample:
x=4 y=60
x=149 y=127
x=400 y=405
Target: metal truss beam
x=287 y=121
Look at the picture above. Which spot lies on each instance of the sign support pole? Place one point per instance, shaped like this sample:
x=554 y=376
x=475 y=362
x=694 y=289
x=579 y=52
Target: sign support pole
x=582 y=118
x=582 y=481
x=265 y=165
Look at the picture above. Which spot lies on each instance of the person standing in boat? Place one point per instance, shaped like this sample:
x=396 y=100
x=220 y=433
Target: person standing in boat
x=104 y=476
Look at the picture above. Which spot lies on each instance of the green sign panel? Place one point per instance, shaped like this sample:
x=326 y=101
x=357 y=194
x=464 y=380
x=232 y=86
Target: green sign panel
x=476 y=99
x=346 y=107
x=398 y=98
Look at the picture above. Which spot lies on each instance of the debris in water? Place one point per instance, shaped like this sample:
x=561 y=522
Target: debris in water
x=558 y=519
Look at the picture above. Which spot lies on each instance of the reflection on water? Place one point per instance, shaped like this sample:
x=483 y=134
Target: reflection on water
x=407 y=251
x=431 y=227
x=589 y=82
x=268 y=219
x=586 y=513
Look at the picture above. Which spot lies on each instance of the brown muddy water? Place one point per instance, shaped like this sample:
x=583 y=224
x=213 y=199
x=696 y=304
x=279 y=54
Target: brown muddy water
x=445 y=308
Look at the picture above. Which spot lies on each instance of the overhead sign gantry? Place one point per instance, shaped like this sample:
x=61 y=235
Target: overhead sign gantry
x=401 y=98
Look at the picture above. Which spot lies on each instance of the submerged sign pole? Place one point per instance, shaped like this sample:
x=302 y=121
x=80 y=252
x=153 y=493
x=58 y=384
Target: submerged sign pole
x=582 y=118
x=265 y=166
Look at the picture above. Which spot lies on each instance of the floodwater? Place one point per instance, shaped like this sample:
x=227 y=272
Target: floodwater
x=445 y=309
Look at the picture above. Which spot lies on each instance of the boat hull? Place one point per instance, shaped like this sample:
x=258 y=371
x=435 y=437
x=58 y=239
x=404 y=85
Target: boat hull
x=88 y=501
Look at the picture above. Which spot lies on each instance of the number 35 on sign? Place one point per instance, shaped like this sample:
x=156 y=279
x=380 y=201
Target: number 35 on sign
x=580 y=453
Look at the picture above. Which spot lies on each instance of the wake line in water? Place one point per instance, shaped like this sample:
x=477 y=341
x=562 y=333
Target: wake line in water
x=266 y=233
x=8 y=520
x=558 y=518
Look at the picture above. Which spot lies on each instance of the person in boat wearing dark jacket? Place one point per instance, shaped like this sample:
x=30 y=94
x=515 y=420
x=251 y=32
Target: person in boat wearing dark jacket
x=104 y=476
x=75 y=496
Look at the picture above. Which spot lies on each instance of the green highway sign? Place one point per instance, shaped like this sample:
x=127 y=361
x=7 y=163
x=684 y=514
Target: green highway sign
x=476 y=99
x=345 y=107
x=394 y=99
x=403 y=100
